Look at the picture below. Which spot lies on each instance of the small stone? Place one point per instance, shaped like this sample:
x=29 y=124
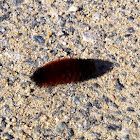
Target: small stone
x=19 y=35
x=67 y=50
x=34 y=24
x=81 y=138
x=60 y=33
x=3 y=122
x=132 y=95
x=136 y=124
x=96 y=104
x=0 y=65
x=123 y=7
x=61 y=21
x=8 y=136
x=131 y=30
x=114 y=105
x=65 y=33
x=96 y=85
x=69 y=2
x=95 y=134
x=54 y=13
x=39 y=39
x=25 y=84
x=37 y=130
x=73 y=8
x=96 y=16
x=128 y=35
x=106 y=99
x=37 y=115
x=112 y=35
x=126 y=137
x=112 y=127
x=117 y=64
x=60 y=128
x=17 y=2
x=130 y=18
x=3 y=29
x=89 y=104
x=130 y=109
x=89 y=36
x=5 y=16
x=10 y=83
x=71 y=29
x=30 y=62
x=105 y=14
x=11 y=127
x=128 y=119
x=118 y=112
x=34 y=48
x=84 y=112
x=31 y=90
x=86 y=124
x=123 y=99
x=1 y=99
x=77 y=118
x=52 y=137
x=70 y=132
x=77 y=101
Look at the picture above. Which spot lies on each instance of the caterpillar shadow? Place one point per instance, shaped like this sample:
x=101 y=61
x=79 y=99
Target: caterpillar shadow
x=93 y=68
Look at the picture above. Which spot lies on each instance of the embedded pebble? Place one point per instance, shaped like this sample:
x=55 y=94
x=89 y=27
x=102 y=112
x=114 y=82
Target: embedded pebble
x=73 y=8
x=77 y=100
x=119 y=85
x=130 y=109
x=131 y=30
x=3 y=122
x=96 y=104
x=70 y=132
x=113 y=127
x=18 y=1
x=39 y=39
x=96 y=85
x=81 y=138
x=96 y=16
x=89 y=104
x=8 y=136
x=59 y=128
x=5 y=16
x=89 y=37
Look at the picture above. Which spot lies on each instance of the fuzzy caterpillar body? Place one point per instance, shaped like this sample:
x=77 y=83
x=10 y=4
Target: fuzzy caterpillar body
x=63 y=71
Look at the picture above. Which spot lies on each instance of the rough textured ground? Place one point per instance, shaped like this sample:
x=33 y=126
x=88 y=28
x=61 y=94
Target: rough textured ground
x=34 y=32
